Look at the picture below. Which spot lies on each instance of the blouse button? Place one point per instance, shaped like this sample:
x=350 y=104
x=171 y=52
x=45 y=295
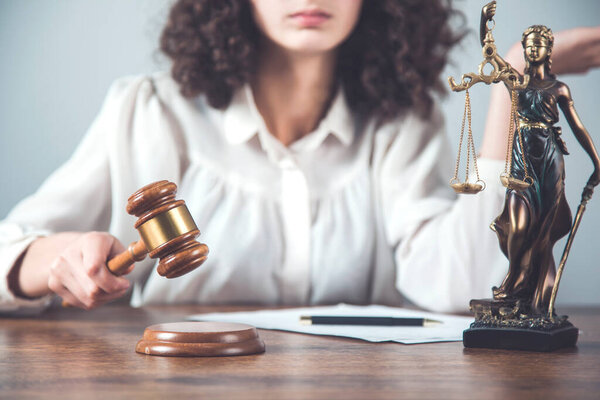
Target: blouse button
x=286 y=163
x=295 y=218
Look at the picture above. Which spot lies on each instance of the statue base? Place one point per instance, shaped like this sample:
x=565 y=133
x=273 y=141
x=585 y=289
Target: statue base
x=510 y=324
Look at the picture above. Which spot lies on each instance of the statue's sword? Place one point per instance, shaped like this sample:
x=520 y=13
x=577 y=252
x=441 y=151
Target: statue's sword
x=585 y=197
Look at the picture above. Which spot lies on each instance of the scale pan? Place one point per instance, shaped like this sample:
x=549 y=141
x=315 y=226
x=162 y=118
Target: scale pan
x=467 y=188
x=513 y=183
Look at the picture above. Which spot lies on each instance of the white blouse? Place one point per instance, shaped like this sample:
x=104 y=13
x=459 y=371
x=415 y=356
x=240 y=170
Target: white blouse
x=352 y=212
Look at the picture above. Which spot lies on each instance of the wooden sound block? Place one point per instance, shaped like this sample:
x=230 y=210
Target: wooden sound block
x=200 y=339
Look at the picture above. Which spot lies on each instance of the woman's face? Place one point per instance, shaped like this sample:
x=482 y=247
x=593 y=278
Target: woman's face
x=306 y=26
x=536 y=48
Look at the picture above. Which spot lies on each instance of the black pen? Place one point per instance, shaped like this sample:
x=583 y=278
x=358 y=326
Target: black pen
x=375 y=321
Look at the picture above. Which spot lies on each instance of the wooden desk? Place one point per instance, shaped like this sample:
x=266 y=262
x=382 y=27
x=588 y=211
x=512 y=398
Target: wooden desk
x=84 y=355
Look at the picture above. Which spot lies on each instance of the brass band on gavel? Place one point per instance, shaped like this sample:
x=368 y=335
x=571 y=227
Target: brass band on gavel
x=167 y=226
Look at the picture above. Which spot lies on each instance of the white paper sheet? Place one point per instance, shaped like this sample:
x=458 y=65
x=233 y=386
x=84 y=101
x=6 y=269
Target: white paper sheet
x=289 y=320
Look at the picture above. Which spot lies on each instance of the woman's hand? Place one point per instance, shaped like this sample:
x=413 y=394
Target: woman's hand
x=72 y=265
x=576 y=50
x=79 y=274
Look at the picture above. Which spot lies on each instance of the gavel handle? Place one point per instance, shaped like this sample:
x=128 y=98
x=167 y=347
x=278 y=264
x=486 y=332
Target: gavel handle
x=119 y=264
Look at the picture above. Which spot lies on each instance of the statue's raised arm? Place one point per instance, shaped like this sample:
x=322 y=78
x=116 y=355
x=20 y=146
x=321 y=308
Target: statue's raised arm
x=487 y=14
x=501 y=70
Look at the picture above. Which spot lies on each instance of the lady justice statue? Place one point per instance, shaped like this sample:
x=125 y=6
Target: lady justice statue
x=535 y=213
x=535 y=217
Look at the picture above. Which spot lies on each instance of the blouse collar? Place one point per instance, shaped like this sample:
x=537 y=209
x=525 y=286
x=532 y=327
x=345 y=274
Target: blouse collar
x=242 y=121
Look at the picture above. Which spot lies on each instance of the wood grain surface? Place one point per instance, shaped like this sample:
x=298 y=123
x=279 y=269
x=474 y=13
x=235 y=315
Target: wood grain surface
x=75 y=354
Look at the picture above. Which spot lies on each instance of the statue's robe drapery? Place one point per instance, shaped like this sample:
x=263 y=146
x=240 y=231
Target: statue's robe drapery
x=550 y=216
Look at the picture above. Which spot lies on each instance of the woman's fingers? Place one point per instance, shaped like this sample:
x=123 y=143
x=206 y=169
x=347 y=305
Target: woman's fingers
x=96 y=249
x=58 y=280
x=80 y=276
x=576 y=50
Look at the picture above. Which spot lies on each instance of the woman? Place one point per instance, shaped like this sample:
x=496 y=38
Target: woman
x=536 y=216
x=304 y=139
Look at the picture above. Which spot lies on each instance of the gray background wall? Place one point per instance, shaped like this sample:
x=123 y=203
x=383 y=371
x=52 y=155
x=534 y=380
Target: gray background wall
x=59 y=57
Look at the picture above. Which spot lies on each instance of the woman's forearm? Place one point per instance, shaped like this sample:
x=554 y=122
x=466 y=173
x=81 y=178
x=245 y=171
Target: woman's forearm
x=29 y=277
x=497 y=121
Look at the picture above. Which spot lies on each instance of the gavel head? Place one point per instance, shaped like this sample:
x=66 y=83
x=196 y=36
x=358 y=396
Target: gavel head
x=167 y=229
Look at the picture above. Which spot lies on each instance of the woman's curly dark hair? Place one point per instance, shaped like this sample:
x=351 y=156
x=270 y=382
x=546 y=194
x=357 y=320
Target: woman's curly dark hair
x=391 y=61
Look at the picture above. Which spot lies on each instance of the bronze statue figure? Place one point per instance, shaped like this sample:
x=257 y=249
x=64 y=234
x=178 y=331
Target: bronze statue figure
x=535 y=217
x=535 y=213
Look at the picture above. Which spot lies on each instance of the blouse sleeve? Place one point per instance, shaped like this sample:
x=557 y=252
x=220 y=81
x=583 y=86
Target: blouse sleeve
x=444 y=251
x=76 y=197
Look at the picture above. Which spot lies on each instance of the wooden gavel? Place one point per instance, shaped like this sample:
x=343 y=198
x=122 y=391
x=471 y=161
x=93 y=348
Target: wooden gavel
x=167 y=232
